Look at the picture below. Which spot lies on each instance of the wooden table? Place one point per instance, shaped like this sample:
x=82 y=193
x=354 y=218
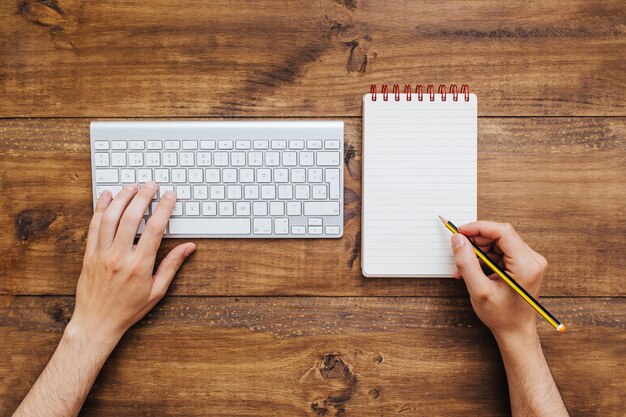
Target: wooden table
x=291 y=327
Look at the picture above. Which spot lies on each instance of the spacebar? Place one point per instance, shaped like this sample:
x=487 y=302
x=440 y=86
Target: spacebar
x=209 y=227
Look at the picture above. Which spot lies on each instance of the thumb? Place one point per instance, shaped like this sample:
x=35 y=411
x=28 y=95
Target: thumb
x=169 y=266
x=467 y=264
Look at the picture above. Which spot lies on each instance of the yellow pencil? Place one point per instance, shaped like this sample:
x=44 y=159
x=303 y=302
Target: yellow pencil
x=509 y=280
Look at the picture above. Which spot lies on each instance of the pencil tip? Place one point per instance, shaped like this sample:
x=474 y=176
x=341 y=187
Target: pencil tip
x=443 y=219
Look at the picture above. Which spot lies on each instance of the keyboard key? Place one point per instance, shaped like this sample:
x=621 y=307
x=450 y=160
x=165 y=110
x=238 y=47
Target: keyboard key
x=217 y=192
x=264 y=175
x=279 y=144
x=321 y=208
x=294 y=208
x=281 y=175
x=155 y=145
x=135 y=159
x=229 y=175
x=118 y=144
x=209 y=226
x=203 y=159
x=315 y=221
x=255 y=159
x=153 y=159
x=128 y=175
x=334 y=187
x=261 y=144
x=170 y=159
x=118 y=159
x=298 y=175
x=296 y=144
x=101 y=145
x=172 y=144
x=209 y=208
x=314 y=144
x=251 y=192
x=192 y=208
x=225 y=144
x=220 y=159
x=281 y=226
x=195 y=175
x=162 y=175
x=302 y=192
x=306 y=159
x=200 y=192
x=331 y=144
x=259 y=208
x=179 y=175
x=144 y=175
x=319 y=192
x=262 y=226
x=137 y=144
x=183 y=192
x=178 y=209
x=165 y=188
x=212 y=175
x=242 y=208
x=268 y=192
x=272 y=159
x=243 y=144
x=113 y=188
x=238 y=159
x=190 y=144
x=277 y=208
x=233 y=192
x=315 y=230
x=246 y=175
x=332 y=230
x=290 y=159
x=207 y=144
x=328 y=158
x=298 y=230
x=102 y=159
x=186 y=159
x=107 y=175
x=285 y=192
x=314 y=174
x=226 y=208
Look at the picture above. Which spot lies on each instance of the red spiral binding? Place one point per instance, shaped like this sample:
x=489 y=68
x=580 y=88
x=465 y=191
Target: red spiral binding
x=408 y=90
x=385 y=91
x=430 y=90
x=442 y=90
x=454 y=90
x=396 y=92
x=465 y=91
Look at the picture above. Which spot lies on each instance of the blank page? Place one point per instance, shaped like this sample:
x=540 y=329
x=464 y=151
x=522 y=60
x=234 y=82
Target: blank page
x=419 y=161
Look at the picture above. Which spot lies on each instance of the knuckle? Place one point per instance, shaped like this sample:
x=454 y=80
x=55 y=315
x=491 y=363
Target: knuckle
x=508 y=228
x=113 y=263
x=109 y=218
x=154 y=228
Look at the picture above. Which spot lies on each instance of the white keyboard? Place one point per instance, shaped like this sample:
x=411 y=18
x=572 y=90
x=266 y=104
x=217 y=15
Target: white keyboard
x=240 y=179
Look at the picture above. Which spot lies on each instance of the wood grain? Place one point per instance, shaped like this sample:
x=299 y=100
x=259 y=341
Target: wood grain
x=534 y=173
x=318 y=357
x=306 y=58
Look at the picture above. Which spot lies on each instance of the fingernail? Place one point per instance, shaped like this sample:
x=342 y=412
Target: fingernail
x=131 y=187
x=170 y=194
x=151 y=185
x=457 y=241
x=190 y=250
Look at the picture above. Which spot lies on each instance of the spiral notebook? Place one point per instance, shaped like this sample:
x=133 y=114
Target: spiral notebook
x=419 y=161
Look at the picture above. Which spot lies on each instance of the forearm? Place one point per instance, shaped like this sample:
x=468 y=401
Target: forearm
x=62 y=387
x=531 y=386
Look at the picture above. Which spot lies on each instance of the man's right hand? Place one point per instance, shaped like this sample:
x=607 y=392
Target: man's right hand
x=495 y=303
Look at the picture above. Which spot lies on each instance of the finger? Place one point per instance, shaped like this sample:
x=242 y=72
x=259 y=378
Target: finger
x=133 y=215
x=94 y=225
x=113 y=213
x=467 y=263
x=153 y=232
x=168 y=268
x=480 y=240
x=508 y=239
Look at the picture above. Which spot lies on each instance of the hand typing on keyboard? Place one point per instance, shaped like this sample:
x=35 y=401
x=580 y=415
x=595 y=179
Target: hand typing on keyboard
x=117 y=286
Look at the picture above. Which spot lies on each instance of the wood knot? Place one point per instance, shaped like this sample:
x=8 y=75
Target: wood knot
x=378 y=358
x=47 y=13
x=60 y=313
x=32 y=221
x=333 y=367
x=373 y=393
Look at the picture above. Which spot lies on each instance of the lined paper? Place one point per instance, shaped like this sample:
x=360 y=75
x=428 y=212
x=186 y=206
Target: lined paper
x=419 y=161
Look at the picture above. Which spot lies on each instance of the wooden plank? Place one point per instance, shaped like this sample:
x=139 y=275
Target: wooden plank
x=301 y=356
x=535 y=173
x=263 y=58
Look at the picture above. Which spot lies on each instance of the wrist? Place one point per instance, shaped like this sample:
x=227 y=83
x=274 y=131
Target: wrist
x=90 y=338
x=521 y=335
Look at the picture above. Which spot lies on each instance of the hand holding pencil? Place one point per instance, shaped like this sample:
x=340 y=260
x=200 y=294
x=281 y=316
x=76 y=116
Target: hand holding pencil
x=497 y=302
